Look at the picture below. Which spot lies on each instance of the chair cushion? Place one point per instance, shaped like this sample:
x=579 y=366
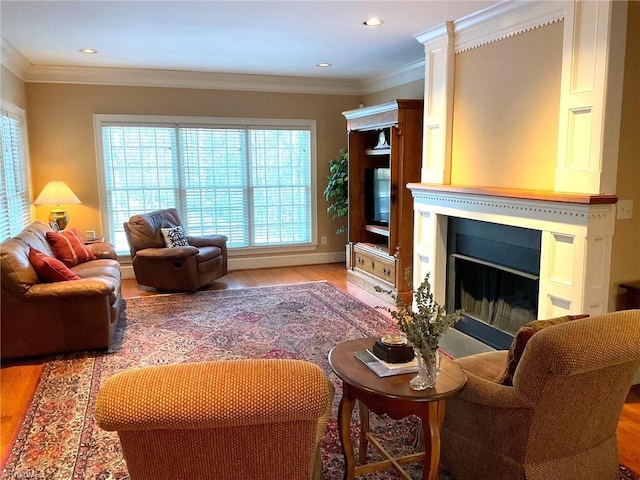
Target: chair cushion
x=69 y=248
x=523 y=335
x=174 y=237
x=50 y=269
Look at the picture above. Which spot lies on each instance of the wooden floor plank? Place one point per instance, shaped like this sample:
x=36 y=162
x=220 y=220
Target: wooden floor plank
x=18 y=381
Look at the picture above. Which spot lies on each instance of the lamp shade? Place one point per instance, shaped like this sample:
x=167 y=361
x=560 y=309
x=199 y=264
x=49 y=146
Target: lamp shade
x=55 y=193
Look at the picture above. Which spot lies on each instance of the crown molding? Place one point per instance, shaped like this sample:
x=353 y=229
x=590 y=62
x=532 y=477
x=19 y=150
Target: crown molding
x=400 y=76
x=184 y=79
x=433 y=33
x=13 y=59
x=504 y=20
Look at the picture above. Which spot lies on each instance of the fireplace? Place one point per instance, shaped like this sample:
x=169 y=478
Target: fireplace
x=493 y=277
x=562 y=241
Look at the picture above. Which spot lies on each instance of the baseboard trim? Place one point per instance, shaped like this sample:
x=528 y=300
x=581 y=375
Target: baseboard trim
x=252 y=263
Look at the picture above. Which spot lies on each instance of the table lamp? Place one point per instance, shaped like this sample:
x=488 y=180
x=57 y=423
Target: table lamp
x=55 y=193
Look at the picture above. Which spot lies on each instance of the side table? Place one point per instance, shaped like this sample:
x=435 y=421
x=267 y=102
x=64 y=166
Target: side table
x=392 y=396
x=89 y=241
x=632 y=294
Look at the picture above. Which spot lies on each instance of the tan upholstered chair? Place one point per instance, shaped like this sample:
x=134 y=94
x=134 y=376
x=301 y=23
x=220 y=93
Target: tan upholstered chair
x=228 y=420
x=177 y=268
x=559 y=419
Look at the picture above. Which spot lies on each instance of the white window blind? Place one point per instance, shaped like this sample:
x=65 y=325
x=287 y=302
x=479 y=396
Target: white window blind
x=252 y=184
x=140 y=174
x=15 y=205
x=216 y=183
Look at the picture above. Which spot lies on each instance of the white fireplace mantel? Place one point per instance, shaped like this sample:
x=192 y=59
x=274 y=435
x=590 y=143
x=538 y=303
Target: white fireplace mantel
x=577 y=231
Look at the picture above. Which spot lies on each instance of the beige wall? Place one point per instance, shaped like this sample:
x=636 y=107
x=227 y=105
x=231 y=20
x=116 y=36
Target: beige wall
x=413 y=90
x=625 y=262
x=505 y=111
x=61 y=136
x=12 y=89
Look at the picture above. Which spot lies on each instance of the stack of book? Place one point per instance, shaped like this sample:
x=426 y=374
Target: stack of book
x=385 y=369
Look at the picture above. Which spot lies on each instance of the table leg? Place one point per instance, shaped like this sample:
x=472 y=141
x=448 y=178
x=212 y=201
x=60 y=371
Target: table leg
x=364 y=429
x=344 y=431
x=431 y=424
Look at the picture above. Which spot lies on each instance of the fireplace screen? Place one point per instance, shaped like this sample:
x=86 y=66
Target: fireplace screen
x=503 y=298
x=493 y=277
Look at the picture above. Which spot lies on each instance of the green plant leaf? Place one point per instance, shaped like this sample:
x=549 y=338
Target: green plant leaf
x=425 y=321
x=337 y=189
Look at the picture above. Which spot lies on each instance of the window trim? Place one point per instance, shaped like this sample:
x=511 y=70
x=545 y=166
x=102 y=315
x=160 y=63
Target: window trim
x=13 y=111
x=207 y=122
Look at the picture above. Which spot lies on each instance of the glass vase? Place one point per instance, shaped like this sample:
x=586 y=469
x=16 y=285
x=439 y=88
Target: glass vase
x=429 y=367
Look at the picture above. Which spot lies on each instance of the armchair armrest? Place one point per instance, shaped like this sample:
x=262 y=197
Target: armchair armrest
x=208 y=240
x=175 y=253
x=103 y=250
x=492 y=394
x=85 y=287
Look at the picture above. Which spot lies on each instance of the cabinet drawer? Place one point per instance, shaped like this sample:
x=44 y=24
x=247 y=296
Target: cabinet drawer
x=381 y=268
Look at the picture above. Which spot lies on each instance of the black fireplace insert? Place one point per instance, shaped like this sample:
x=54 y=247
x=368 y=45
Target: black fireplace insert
x=493 y=278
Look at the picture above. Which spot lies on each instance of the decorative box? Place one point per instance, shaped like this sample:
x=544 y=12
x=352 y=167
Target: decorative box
x=393 y=349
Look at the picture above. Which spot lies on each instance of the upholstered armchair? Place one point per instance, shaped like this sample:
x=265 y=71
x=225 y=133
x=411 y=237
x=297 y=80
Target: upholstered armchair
x=197 y=262
x=258 y=419
x=559 y=418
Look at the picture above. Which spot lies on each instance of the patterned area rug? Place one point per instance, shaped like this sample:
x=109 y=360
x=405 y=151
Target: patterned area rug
x=59 y=439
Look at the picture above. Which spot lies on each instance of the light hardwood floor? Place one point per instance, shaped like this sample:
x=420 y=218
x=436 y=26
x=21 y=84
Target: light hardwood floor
x=18 y=381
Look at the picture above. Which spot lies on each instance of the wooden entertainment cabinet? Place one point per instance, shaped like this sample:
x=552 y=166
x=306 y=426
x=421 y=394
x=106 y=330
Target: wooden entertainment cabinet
x=385 y=150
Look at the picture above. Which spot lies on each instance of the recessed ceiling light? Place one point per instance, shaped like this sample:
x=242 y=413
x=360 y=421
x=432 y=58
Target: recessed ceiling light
x=323 y=64
x=88 y=50
x=373 y=22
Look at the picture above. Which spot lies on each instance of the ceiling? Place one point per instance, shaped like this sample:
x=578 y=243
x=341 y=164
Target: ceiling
x=283 y=38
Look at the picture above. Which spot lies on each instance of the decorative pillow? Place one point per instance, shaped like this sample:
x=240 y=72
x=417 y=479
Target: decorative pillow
x=69 y=248
x=174 y=237
x=521 y=338
x=50 y=269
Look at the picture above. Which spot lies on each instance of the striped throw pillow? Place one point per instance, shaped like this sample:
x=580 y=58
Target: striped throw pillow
x=69 y=248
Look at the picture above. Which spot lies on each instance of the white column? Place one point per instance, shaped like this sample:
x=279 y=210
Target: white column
x=438 y=103
x=590 y=96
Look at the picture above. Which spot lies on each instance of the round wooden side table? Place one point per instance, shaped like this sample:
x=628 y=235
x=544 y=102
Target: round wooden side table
x=392 y=396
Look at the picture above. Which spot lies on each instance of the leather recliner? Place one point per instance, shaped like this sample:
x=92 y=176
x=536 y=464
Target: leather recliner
x=173 y=268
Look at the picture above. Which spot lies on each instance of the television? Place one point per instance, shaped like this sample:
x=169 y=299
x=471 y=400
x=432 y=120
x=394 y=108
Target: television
x=377 y=184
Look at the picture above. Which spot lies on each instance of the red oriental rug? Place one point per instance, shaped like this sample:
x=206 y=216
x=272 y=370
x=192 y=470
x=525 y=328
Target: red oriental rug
x=59 y=439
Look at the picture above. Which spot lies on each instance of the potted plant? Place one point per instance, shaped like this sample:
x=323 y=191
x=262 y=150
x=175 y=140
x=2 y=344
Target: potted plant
x=423 y=323
x=336 y=191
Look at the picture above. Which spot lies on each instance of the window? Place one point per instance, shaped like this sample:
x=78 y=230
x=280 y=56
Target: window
x=253 y=183
x=15 y=205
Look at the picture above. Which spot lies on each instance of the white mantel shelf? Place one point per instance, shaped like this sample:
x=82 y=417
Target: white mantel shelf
x=514 y=193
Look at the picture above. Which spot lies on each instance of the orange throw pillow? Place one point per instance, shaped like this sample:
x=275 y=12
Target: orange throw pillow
x=50 y=269
x=69 y=248
x=520 y=340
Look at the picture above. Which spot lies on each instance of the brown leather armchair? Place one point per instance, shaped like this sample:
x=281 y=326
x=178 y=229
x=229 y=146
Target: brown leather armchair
x=176 y=268
x=559 y=418
x=228 y=420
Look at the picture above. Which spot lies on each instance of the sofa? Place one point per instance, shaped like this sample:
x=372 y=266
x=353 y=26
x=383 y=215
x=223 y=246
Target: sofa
x=39 y=318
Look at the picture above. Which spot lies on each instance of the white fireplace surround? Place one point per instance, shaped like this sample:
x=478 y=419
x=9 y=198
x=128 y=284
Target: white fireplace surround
x=577 y=228
x=576 y=240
